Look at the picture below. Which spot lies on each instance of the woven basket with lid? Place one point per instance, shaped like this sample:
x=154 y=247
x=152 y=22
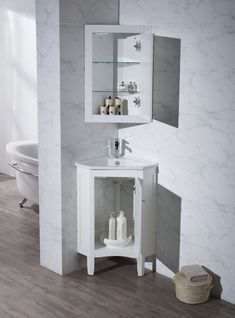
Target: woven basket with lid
x=192 y=292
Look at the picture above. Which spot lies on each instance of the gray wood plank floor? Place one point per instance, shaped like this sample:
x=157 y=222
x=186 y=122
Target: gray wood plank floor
x=29 y=290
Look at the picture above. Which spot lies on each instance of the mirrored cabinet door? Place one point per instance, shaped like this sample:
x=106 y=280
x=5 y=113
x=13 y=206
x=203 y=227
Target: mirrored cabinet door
x=166 y=80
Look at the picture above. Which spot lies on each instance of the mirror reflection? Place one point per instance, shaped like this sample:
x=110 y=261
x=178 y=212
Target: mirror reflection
x=166 y=80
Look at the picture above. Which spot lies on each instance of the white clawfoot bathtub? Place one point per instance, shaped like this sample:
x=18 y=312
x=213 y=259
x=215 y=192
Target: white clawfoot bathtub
x=23 y=157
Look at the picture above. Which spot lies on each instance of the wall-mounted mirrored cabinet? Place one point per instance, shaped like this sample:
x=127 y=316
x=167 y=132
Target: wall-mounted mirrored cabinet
x=118 y=73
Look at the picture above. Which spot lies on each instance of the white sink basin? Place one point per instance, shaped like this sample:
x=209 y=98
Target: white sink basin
x=117 y=163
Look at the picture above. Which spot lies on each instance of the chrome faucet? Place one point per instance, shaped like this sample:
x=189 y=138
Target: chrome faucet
x=118 y=147
x=125 y=147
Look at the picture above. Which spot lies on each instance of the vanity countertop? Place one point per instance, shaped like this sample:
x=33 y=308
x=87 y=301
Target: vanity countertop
x=124 y=163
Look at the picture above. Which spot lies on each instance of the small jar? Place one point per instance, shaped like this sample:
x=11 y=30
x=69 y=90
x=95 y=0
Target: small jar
x=112 y=110
x=108 y=101
x=103 y=110
x=131 y=88
x=118 y=105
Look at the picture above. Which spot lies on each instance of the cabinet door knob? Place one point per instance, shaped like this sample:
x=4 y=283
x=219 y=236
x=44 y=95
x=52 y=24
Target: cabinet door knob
x=136 y=101
x=137 y=46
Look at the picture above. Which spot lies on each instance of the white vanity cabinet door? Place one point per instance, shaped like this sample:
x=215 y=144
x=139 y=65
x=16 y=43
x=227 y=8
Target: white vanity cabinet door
x=116 y=54
x=85 y=213
x=148 y=239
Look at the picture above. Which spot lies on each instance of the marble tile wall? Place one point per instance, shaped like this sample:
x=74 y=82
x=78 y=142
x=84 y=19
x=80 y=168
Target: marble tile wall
x=197 y=159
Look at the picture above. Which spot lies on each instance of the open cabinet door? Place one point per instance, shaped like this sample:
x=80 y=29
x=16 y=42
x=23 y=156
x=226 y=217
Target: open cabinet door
x=149 y=212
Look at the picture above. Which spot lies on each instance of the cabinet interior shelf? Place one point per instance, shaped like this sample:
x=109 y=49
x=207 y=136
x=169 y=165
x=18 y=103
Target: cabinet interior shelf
x=115 y=91
x=118 y=119
x=117 y=62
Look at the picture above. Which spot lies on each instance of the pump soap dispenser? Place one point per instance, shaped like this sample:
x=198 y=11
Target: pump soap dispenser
x=112 y=227
x=121 y=226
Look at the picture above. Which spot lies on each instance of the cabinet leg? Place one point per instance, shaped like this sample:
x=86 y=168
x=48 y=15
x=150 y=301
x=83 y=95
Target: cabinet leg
x=140 y=265
x=90 y=265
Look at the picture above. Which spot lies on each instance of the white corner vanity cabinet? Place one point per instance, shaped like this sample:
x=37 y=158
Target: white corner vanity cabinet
x=107 y=186
x=118 y=73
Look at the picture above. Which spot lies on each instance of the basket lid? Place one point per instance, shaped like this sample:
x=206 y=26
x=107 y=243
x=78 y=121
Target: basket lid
x=181 y=279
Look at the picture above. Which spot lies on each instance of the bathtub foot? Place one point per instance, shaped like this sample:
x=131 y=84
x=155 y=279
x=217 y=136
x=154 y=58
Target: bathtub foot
x=22 y=202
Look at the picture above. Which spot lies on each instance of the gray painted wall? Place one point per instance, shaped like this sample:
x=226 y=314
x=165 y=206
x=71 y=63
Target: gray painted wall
x=63 y=135
x=79 y=140
x=18 y=75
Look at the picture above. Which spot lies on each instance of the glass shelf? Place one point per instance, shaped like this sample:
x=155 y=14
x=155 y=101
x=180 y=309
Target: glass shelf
x=115 y=91
x=117 y=62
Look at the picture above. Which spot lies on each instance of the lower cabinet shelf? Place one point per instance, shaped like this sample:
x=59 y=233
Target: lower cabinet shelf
x=126 y=251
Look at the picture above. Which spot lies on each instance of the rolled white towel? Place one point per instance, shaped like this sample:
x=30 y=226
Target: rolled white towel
x=194 y=273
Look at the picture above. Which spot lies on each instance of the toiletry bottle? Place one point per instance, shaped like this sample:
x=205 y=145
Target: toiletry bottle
x=135 y=86
x=122 y=87
x=130 y=87
x=124 y=107
x=112 y=227
x=121 y=226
